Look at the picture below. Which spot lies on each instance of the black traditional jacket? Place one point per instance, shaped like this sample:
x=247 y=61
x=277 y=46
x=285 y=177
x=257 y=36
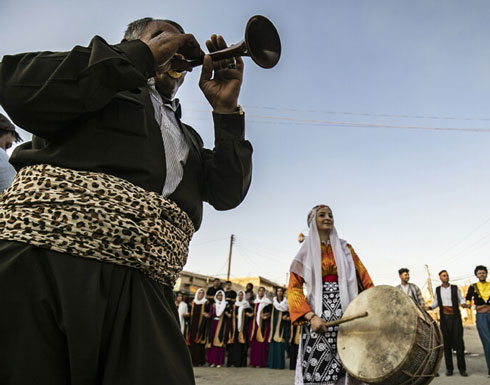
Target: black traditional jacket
x=474 y=293
x=89 y=109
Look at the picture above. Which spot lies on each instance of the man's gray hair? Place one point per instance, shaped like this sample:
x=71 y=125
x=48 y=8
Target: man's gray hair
x=136 y=28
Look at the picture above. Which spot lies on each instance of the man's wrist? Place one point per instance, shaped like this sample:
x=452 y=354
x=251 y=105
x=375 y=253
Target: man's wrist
x=229 y=110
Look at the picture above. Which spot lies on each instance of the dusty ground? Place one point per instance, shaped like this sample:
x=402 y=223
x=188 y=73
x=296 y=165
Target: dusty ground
x=475 y=363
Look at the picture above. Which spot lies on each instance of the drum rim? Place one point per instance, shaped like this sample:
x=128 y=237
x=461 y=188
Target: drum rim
x=402 y=362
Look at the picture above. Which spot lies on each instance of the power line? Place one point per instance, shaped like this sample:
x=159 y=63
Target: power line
x=462 y=239
x=270 y=258
x=350 y=113
x=327 y=123
x=260 y=246
x=206 y=242
x=472 y=248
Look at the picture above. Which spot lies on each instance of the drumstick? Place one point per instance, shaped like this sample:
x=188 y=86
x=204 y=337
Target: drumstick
x=346 y=319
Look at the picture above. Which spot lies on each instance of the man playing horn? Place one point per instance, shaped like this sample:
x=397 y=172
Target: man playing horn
x=95 y=227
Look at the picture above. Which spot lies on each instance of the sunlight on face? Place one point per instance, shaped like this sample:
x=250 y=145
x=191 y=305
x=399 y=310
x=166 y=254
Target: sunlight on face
x=324 y=219
x=200 y=294
x=261 y=292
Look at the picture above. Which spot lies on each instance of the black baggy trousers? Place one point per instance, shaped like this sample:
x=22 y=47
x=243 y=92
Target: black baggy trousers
x=67 y=320
x=452 y=333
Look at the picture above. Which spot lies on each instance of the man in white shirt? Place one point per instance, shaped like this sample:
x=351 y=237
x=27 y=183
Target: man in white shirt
x=410 y=289
x=8 y=136
x=448 y=298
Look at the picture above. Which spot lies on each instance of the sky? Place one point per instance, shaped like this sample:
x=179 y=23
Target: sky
x=379 y=109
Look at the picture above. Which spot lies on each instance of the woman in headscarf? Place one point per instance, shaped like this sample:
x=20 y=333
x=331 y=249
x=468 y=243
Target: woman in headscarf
x=238 y=341
x=182 y=311
x=217 y=331
x=260 y=329
x=333 y=276
x=196 y=335
x=279 y=332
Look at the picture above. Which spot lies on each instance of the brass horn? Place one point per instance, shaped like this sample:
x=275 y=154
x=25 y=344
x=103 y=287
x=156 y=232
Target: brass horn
x=261 y=43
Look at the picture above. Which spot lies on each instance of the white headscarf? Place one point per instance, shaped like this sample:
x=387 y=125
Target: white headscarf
x=201 y=301
x=308 y=264
x=263 y=302
x=281 y=306
x=181 y=311
x=242 y=305
x=220 y=305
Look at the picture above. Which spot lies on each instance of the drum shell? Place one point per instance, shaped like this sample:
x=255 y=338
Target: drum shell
x=398 y=343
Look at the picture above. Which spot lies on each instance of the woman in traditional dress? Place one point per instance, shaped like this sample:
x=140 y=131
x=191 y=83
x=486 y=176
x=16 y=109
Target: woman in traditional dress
x=238 y=341
x=217 y=330
x=196 y=334
x=182 y=311
x=278 y=331
x=334 y=276
x=259 y=329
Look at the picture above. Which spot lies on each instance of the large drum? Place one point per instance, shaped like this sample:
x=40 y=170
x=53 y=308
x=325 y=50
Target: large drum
x=396 y=343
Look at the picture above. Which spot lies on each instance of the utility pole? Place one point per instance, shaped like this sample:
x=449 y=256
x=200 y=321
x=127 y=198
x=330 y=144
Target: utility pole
x=429 y=283
x=232 y=238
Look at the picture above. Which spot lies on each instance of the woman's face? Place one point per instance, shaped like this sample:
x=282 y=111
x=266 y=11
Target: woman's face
x=324 y=219
x=219 y=296
x=240 y=296
x=280 y=292
x=200 y=294
x=261 y=292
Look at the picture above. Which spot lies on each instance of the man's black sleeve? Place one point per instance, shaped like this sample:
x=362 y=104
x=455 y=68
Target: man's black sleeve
x=228 y=167
x=43 y=92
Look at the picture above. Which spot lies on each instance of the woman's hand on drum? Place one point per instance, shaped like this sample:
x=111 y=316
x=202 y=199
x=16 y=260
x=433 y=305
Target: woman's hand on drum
x=318 y=325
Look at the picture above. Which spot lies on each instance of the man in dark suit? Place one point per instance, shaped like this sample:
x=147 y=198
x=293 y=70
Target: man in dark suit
x=109 y=191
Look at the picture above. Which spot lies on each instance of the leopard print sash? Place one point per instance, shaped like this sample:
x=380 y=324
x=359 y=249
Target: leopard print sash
x=99 y=216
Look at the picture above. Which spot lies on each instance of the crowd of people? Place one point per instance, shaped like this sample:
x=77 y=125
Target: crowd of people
x=223 y=327
x=449 y=300
x=244 y=328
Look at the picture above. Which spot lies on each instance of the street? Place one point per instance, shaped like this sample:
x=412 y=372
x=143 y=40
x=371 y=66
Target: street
x=475 y=362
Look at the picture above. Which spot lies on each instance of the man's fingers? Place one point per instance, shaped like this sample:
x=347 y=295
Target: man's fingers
x=207 y=69
x=239 y=63
x=221 y=42
x=188 y=46
x=214 y=40
x=211 y=44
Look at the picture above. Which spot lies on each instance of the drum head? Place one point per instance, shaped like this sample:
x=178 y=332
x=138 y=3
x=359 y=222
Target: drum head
x=374 y=347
